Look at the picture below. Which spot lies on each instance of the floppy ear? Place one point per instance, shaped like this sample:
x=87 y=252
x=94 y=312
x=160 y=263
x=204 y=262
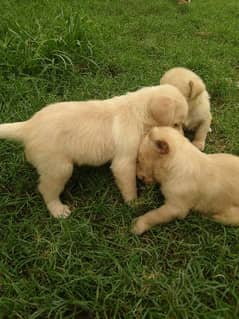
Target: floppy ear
x=162 y=110
x=196 y=87
x=161 y=145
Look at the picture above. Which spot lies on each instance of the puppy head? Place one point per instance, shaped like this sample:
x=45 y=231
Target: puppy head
x=159 y=144
x=166 y=110
x=189 y=83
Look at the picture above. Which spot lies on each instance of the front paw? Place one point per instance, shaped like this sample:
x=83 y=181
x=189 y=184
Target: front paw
x=59 y=210
x=139 y=226
x=199 y=144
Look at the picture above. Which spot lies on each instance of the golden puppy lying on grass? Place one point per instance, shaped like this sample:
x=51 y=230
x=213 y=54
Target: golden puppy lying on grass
x=93 y=133
x=189 y=179
x=193 y=88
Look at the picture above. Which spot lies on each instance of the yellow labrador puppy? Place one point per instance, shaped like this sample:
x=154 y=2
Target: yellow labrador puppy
x=93 y=133
x=189 y=179
x=194 y=90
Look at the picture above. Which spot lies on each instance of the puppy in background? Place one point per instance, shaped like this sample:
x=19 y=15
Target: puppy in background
x=93 y=133
x=193 y=88
x=189 y=179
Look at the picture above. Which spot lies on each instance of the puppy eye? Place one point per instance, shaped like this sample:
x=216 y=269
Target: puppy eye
x=176 y=125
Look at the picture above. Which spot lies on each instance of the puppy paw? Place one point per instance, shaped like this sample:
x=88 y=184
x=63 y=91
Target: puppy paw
x=59 y=210
x=199 y=144
x=138 y=226
x=65 y=212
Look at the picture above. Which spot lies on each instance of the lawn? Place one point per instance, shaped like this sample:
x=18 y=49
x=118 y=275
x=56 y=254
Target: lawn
x=90 y=265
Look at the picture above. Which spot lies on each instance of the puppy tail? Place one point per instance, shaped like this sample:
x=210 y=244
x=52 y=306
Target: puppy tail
x=13 y=131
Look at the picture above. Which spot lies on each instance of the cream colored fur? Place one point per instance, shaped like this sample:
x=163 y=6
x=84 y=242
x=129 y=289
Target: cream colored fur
x=93 y=133
x=189 y=179
x=194 y=90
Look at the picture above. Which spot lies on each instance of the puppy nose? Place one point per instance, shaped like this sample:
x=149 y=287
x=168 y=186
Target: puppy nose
x=146 y=180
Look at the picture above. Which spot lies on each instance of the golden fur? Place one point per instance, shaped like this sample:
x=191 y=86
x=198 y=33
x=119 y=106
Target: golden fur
x=189 y=179
x=93 y=133
x=194 y=90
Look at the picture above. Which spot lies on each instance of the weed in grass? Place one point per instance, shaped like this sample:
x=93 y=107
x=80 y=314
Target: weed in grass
x=48 y=50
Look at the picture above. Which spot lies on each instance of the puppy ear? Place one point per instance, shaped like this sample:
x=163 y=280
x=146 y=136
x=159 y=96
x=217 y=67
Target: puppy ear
x=196 y=87
x=161 y=145
x=162 y=110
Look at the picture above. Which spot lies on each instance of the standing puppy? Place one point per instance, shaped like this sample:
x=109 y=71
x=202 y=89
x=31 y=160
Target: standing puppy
x=93 y=133
x=189 y=179
x=194 y=90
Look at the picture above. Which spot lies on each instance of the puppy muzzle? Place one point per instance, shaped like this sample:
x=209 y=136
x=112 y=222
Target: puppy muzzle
x=145 y=179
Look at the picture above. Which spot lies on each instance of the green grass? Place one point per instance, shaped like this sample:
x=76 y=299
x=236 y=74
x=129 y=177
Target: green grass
x=90 y=265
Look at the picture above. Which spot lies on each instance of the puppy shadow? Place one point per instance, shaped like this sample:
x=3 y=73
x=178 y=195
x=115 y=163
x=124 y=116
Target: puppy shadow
x=94 y=189
x=91 y=184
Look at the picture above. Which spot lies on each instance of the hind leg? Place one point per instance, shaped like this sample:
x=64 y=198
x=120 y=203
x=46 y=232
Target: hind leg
x=229 y=217
x=52 y=182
